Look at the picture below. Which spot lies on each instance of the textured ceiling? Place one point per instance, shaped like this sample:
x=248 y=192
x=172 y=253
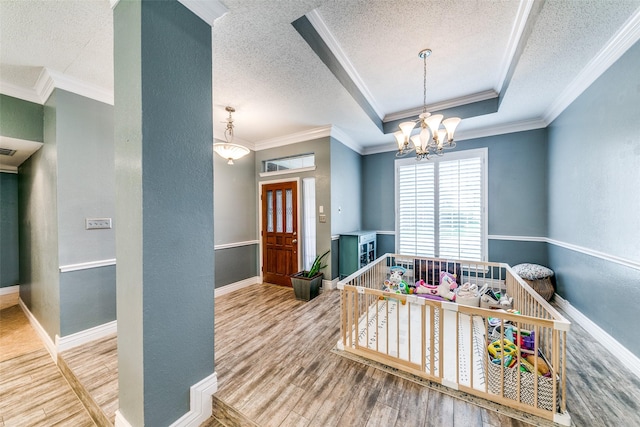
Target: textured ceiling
x=264 y=68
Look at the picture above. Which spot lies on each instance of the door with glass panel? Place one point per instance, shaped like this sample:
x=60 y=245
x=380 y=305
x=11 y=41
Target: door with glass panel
x=279 y=232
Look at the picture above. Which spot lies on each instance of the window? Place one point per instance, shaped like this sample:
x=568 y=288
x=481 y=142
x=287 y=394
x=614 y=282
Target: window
x=289 y=164
x=440 y=206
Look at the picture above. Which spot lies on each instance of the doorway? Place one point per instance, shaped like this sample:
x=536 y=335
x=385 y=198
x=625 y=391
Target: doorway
x=279 y=224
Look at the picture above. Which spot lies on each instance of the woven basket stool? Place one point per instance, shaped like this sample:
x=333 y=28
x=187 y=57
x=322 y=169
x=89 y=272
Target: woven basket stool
x=538 y=277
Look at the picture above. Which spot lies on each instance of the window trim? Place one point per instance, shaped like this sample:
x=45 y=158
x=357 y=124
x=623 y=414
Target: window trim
x=483 y=154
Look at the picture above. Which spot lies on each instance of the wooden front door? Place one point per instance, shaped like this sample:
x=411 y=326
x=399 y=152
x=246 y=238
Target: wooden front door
x=279 y=232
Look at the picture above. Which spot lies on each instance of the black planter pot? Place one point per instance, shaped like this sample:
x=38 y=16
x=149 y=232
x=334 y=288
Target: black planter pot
x=306 y=288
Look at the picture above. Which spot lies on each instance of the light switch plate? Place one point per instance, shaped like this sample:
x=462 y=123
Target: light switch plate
x=97 y=223
x=322 y=218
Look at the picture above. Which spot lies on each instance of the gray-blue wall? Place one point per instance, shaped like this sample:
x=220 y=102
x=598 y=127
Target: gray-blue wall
x=69 y=179
x=235 y=214
x=37 y=204
x=85 y=189
x=21 y=119
x=517 y=195
x=87 y=298
x=9 y=247
x=594 y=200
x=164 y=207
x=346 y=188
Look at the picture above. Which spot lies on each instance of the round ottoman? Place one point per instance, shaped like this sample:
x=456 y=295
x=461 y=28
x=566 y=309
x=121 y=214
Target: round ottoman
x=538 y=277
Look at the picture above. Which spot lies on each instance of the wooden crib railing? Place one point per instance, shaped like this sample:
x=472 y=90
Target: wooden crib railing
x=416 y=348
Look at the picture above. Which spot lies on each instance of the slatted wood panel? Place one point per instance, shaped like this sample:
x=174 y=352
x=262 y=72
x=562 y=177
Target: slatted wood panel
x=32 y=389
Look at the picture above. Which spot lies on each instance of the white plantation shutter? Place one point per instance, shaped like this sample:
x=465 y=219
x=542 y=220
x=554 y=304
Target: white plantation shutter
x=416 y=214
x=460 y=219
x=440 y=206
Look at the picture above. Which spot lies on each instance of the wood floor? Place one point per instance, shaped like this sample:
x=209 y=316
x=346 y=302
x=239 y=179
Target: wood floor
x=33 y=392
x=275 y=367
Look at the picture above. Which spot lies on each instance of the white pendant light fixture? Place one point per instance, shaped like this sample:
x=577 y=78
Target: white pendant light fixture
x=432 y=139
x=228 y=150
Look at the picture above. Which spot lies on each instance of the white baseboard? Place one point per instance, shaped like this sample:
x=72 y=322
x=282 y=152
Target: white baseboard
x=616 y=349
x=235 y=286
x=70 y=341
x=328 y=285
x=200 y=403
x=44 y=337
x=121 y=421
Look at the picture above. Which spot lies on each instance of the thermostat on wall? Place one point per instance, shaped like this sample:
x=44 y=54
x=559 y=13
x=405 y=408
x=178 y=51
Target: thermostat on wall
x=97 y=223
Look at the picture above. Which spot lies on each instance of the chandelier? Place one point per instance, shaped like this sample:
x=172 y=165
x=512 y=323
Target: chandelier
x=228 y=150
x=432 y=139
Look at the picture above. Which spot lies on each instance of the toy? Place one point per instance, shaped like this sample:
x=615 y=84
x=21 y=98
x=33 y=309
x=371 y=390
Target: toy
x=468 y=294
x=450 y=279
x=499 y=348
x=444 y=290
x=528 y=342
x=543 y=368
x=490 y=300
x=396 y=280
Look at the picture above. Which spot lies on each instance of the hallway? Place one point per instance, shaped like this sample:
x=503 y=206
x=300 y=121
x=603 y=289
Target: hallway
x=33 y=392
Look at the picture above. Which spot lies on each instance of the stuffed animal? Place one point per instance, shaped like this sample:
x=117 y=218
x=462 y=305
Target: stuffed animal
x=446 y=277
x=423 y=288
x=397 y=283
x=444 y=290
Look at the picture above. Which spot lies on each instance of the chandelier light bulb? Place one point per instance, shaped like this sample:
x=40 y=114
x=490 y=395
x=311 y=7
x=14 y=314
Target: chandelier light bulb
x=399 y=139
x=451 y=124
x=434 y=123
x=406 y=128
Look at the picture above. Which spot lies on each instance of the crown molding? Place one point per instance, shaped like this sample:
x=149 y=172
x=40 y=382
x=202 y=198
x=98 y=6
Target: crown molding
x=621 y=41
x=439 y=106
x=519 y=25
x=207 y=10
x=72 y=84
x=519 y=126
x=377 y=149
x=345 y=139
x=48 y=80
x=307 y=135
x=332 y=43
x=19 y=92
x=44 y=85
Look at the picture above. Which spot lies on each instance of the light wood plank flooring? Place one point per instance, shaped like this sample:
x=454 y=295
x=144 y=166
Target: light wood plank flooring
x=93 y=374
x=275 y=368
x=33 y=392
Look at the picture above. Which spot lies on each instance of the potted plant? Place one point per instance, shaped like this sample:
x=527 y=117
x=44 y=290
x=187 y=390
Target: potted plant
x=306 y=284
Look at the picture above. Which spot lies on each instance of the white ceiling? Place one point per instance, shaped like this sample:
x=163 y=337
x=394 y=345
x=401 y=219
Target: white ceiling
x=264 y=68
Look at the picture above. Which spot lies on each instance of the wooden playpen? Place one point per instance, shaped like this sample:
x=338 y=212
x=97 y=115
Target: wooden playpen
x=447 y=343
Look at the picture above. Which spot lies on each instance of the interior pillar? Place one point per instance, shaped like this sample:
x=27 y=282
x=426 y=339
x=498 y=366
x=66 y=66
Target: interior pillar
x=164 y=208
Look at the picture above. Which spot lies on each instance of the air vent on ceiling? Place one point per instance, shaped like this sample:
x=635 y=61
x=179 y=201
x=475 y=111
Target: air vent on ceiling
x=7 y=152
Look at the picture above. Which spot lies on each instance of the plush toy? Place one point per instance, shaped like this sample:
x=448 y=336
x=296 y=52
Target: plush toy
x=446 y=277
x=423 y=288
x=444 y=290
x=397 y=283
